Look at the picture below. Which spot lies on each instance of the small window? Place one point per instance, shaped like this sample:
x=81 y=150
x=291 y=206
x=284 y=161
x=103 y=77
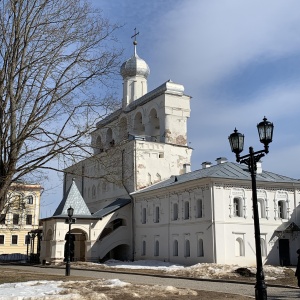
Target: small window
x=15 y=219
x=282 y=210
x=144 y=248
x=239 y=247
x=186 y=210
x=1 y=239
x=156 y=220
x=144 y=215
x=29 y=220
x=14 y=240
x=2 y=219
x=200 y=251
x=175 y=248
x=261 y=208
x=237 y=207
x=187 y=249
x=175 y=211
x=156 y=250
x=30 y=199
x=199 y=212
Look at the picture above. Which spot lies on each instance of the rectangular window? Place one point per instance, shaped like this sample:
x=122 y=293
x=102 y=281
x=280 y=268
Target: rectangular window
x=156 y=220
x=29 y=220
x=1 y=239
x=30 y=199
x=2 y=219
x=144 y=215
x=14 y=240
x=15 y=219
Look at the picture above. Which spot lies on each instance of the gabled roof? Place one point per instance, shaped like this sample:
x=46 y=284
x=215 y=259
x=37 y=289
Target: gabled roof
x=226 y=170
x=72 y=198
x=117 y=204
x=288 y=227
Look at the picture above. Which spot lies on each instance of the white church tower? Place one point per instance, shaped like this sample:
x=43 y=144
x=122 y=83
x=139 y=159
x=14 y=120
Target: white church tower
x=142 y=143
x=135 y=72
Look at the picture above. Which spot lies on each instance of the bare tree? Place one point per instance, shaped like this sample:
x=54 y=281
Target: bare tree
x=55 y=59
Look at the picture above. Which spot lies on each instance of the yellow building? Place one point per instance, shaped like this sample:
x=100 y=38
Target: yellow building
x=19 y=217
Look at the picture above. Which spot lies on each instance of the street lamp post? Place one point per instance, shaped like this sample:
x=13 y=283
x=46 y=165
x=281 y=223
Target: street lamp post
x=236 y=140
x=69 y=220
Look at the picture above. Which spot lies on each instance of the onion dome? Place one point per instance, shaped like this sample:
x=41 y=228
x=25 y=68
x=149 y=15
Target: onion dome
x=134 y=66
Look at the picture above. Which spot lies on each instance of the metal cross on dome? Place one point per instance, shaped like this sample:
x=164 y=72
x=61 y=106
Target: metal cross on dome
x=134 y=36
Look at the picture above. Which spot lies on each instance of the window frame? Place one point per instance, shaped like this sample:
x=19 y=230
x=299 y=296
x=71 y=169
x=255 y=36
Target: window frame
x=12 y=239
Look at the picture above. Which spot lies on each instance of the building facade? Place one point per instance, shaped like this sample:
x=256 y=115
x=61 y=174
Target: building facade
x=140 y=200
x=19 y=217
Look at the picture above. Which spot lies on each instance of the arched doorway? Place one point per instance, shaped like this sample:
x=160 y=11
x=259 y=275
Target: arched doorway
x=77 y=245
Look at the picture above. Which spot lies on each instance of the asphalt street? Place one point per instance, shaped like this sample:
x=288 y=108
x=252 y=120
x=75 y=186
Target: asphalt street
x=274 y=293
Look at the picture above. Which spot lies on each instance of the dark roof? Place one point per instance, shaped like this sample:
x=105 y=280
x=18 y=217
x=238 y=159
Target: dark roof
x=117 y=204
x=226 y=170
x=287 y=227
x=73 y=198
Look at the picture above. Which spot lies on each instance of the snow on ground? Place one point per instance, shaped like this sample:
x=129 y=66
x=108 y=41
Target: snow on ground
x=44 y=290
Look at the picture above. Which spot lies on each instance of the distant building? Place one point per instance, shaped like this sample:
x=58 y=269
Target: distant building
x=136 y=197
x=19 y=217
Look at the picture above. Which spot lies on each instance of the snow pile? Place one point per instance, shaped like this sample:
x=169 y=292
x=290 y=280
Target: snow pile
x=142 y=264
x=29 y=290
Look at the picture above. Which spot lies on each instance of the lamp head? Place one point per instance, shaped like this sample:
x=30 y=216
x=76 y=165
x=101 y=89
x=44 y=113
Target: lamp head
x=236 y=141
x=70 y=211
x=265 y=132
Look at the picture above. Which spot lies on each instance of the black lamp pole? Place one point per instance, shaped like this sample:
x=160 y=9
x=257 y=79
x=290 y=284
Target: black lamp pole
x=69 y=220
x=236 y=139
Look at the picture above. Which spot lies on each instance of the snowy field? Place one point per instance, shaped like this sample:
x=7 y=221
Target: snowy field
x=101 y=289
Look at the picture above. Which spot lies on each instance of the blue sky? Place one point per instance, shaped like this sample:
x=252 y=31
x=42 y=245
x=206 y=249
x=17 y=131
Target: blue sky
x=239 y=60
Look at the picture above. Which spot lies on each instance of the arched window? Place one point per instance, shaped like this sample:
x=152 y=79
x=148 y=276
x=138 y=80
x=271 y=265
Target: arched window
x=175 y=248
x=239 y=247
x=138 y=126
x=156 y=250
x=282 y=209
x=156 y=220
x=186 y=210
x=200 y=251
x=263 y=247
x=144 y=248
x=144 y=215
x=98 y=146
x=175 y=211
x=154 y=126
x=123 y=130
x=199 y=212
x=237 y=207
x=109 y=140
x=261 y=208
x=187 y=252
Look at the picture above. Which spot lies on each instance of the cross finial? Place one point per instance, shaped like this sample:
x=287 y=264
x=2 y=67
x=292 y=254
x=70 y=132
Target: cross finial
x=134 y=36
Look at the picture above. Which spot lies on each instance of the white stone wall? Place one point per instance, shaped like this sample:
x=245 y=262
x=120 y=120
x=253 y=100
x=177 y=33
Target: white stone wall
x=227 y=238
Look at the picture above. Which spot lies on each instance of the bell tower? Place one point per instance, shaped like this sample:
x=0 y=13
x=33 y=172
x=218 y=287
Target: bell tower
x=135 y=72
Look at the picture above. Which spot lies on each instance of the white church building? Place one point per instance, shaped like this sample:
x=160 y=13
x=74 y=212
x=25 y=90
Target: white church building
x=137 y=198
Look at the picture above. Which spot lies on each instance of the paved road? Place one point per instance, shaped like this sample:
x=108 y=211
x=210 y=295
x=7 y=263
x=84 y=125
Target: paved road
x=274 y=293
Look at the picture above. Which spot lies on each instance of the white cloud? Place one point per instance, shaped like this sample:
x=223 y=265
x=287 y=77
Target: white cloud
x=204 y=41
